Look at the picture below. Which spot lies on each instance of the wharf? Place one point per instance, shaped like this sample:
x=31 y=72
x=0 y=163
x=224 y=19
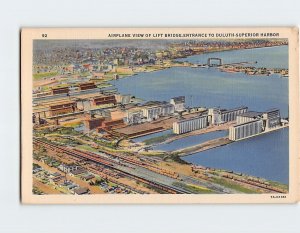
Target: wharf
x=203 y=146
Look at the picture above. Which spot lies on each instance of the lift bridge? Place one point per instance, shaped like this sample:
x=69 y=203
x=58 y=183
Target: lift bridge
x=211 y=64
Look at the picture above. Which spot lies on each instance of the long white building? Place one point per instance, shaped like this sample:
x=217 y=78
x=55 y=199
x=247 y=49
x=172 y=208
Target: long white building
x=167 y=109
x=178 y=103
x=188 y=125
x=151 y=112
x=248 y=116
x=219 y=116
x=134 y=116
x=157 y=109
x=231 y=114
x=272 y=118
x=246 y=129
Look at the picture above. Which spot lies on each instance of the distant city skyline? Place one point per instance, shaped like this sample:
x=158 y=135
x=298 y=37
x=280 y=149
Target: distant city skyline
x=134 y=43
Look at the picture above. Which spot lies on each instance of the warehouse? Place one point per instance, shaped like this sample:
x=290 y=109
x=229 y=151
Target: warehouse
x=245 y=130
x=248 y=116
x=219 y=116
x=188 y=125
x=271 y=118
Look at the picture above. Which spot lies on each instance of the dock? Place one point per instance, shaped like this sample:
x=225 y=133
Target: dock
x=203 y=146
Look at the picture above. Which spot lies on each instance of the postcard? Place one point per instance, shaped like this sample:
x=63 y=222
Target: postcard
x=159 y=115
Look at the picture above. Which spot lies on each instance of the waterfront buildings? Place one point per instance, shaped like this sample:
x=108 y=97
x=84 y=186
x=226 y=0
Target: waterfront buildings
x=155 y=109
x=248 y=116
x=167 y=109
x=151 y=112
x=231 y=115
x=103 y=99
x=252 y=123
x=219 y=116
x=245 y=130
x=271 y=118
x=187 y=125
x=123 y=99
x=178 y=103
x=134 y=116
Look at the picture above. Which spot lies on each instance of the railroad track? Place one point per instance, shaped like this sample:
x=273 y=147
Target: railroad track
x=255 y=184
x=138 y=163
x=111 y=165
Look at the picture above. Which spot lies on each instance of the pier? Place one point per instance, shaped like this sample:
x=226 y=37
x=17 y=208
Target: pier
x=204 y=146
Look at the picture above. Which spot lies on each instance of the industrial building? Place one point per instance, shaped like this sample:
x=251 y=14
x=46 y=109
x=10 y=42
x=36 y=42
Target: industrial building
x=93 y=123
x=188 y=125
x=123 y=99
x=245 y=130
x=103 y=99
x=154 y=109
x=167 y=109
x=151 y=112
x=87 y=86
x=231 y=114
x=271 y=118
x=59 y=90
x=251 y=123
x=178 y=103
x=248 y=116
x=134 y=116
x=219 y=116
x=63 y=107
x=110 y=124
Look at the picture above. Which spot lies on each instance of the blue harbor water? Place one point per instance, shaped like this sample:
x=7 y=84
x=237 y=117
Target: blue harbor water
x=266 y=155
x=154 y=135
x=208 y=87
x=270 y=57
x=262 y=156
x=190 y=141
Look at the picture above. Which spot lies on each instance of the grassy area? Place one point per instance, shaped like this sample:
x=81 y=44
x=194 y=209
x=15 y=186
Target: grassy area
x=87 y=148
x=157 y=139
x=194 y=188
x=85 y=74
x=39 y=76
x=66 y=131
x=234 y=186
x=60 y=130
x=278 y=185
x=108 y=145
x=153 y=68
x=176 y=158
x=67 y=141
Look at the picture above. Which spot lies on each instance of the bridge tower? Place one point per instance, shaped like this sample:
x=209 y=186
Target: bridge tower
x=210 y=64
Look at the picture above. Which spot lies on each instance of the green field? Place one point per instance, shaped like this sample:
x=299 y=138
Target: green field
x=236 y=187
x=157 y=139
x=193 y=188
x=39 y=76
